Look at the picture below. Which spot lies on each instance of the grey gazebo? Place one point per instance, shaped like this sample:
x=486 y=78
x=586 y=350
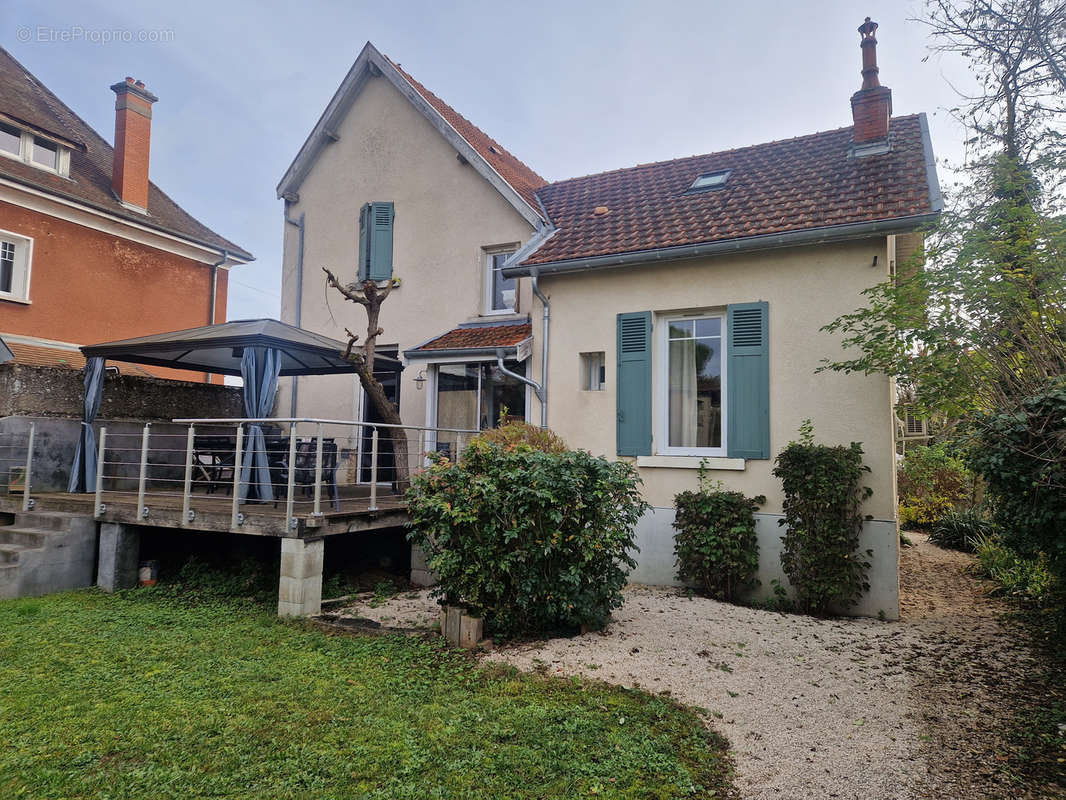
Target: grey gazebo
x=258 y=350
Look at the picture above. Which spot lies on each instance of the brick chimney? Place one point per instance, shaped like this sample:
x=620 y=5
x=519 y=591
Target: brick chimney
x=133 y=131
x=871 y=106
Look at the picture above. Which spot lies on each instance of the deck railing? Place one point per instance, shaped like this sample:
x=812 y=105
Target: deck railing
x=16 y=463
x=311 y=466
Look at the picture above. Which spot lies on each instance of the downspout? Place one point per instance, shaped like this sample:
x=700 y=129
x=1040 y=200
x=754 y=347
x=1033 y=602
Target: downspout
x=537 y=389
x=534 y=275
x=299 y=223
x=214 y=296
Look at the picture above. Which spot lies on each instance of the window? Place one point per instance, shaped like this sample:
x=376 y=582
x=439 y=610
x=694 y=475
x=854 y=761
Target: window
x=710 y=180
x=500 y=292
x=14 y=266
x=10 y=140
x=45 y=153
x=593 y=372
x=692 y=412
x=474 y=396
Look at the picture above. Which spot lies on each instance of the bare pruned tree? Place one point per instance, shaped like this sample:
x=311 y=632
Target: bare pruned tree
x=371 y=295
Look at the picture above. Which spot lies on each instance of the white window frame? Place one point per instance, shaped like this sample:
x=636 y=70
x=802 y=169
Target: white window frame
x=487 y=270
x=23 y=244
x=25 y=154
x=661 y=410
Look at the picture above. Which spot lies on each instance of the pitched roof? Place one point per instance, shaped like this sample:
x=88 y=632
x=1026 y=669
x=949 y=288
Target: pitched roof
x=33 y=355
x=523 y=179
x=28 y=102
x=805 y=183
x=478 y=336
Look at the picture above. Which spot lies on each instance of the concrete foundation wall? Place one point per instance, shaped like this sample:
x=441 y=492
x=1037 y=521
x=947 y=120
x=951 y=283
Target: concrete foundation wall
x=656 y=564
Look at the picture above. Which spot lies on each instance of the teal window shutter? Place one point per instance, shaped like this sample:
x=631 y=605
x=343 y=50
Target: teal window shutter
x=634 y=384
x=381 y=219
x=364 y=243
x=748 y=380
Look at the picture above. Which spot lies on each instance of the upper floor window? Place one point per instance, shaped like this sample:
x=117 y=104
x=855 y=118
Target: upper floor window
x=500 y=292
x=34 y=150
x=15 y=252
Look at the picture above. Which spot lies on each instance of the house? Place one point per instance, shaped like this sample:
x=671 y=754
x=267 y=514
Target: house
x=90 y=249
x=667 y=314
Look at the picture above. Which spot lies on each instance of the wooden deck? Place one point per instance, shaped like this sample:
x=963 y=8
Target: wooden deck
x=213 y=512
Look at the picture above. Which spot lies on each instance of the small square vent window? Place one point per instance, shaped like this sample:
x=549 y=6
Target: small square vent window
x=710 y=180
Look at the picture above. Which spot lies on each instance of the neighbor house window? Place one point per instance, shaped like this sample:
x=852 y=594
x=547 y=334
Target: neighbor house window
x=692 y=410
x=14 y=266
x=500 y=292
x=10 y=140
x=593 y=372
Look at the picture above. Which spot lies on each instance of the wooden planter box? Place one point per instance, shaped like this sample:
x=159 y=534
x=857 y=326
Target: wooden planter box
x=460 y=628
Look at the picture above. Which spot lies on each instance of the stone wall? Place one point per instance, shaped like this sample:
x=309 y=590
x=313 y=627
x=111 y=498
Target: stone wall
x=59 y=392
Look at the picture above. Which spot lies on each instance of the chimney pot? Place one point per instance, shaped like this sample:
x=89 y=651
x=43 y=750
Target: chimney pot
x=871 y=106
x=133 y=129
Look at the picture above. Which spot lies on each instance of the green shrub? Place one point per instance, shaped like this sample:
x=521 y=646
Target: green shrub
x=716 y=545
x=957 y=530
x=932 y=482
x=1020 y=454
x=1025 y=579
x=515 y=434
x=531 y=540
x=822 y=501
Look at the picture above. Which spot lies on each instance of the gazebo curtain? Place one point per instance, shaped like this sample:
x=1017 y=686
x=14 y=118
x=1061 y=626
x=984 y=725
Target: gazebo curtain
x=259 y=369
x=83 y=471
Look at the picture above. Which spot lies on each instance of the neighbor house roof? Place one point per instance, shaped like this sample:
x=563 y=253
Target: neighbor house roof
x=471 y=337
x=509 y=176
x=810 y=184
x=33 y=355
x=28 y=103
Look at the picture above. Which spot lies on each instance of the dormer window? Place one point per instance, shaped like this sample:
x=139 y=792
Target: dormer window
x=34 y=150
x=710 y=180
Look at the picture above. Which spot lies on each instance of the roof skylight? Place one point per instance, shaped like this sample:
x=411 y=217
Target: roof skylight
x=710 y=180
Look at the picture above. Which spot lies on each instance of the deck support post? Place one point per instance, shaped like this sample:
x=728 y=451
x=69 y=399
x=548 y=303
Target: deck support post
x=318 y=471
x=290 y=485
x=300 y=583
x=373 y=469
x=101 y=460
x=120 y=547
x=186 y=494
x=27 y=503
x=235 y=510
x=142 y=509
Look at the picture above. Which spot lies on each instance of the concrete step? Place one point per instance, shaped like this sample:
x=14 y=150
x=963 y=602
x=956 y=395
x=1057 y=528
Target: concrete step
x=46 y=520
x=26 y=537
x=9 y=553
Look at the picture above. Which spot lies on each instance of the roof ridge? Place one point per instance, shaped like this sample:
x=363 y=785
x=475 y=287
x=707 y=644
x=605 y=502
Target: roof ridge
x=744 y=148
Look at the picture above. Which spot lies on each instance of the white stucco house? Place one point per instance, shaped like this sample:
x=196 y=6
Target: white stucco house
x=664 y=313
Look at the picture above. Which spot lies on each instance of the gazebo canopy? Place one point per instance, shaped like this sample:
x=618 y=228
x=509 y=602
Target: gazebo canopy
x=219 y=348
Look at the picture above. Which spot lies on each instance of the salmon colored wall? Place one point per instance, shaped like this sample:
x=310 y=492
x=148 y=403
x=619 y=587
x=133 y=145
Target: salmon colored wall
x=87 y=286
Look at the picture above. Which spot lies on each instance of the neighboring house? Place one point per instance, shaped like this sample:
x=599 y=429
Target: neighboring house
x=686 y=297
x=90 y=249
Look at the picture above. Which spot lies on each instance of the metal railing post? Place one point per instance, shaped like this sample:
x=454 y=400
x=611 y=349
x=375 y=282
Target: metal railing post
x=186 y=500
x=142 y=510
x=101 y=461
x=318 y=471
x=235 y=512
x=373 y=470
x=27 y=503
x=292 y=477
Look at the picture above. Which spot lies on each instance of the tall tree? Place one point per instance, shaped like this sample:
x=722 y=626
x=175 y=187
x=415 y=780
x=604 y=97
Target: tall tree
x=370 y=295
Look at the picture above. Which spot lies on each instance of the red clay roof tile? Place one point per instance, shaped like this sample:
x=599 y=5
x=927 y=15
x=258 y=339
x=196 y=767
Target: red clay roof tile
x=480 y=336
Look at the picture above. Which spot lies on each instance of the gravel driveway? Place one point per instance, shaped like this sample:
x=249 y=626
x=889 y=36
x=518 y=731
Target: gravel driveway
x=837 y=708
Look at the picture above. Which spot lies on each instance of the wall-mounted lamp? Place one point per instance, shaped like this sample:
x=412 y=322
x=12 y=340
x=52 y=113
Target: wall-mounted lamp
x=420 y=380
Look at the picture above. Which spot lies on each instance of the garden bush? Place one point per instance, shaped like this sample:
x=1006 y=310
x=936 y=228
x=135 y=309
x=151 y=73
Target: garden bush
x=515 y=434
x=1024 y=579
x=958 y=530
x=932 y=482
x=1021 y=456
x=531 y=540
x=716 y=545
x=823 y=496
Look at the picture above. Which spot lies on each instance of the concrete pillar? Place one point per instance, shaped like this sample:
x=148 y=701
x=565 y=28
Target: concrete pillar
x=120 y=550
x=300 y=586
x=421 y=575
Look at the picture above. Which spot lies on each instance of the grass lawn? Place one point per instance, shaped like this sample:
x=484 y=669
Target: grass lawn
x=146 y=695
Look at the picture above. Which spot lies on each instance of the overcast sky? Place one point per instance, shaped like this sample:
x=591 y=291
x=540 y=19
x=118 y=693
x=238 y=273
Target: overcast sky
x=571 y=88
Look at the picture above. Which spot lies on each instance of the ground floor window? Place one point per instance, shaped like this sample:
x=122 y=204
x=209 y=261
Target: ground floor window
x=474 y=396
x=694 y=376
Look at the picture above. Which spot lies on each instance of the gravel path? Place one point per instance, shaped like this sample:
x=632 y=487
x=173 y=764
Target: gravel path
x=838 y=708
